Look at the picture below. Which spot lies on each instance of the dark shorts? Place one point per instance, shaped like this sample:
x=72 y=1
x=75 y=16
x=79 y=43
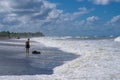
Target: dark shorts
x=27 y=46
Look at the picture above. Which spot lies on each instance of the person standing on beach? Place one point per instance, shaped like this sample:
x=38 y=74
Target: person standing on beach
x=27 y=45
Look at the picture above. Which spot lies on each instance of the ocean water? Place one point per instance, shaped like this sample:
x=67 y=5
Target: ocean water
x=99 y=58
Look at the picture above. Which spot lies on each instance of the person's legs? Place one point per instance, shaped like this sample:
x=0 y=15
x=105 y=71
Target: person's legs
x=27 y=51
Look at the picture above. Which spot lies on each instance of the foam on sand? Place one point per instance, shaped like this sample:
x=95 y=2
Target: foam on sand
x=99 y=59
x=117 y=39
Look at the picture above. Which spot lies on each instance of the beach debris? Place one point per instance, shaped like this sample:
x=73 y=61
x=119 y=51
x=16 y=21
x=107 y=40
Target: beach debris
x=36 y=52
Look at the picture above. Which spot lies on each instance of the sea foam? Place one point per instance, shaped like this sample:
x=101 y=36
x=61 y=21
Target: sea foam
x=61 y=43
x=117 y=39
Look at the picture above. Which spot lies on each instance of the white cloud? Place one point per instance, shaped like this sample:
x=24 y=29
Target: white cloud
x=54 y=14
x=90 y=24
x=114 y=21
x=18 y=12
x=92 y=19
x=50 y=5
x=41 y=15
x=75 y=15
x=66 y=22
x=103 y=2
x=5 y=5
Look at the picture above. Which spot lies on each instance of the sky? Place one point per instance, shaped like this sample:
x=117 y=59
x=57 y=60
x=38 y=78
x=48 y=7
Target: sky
x=61 y=17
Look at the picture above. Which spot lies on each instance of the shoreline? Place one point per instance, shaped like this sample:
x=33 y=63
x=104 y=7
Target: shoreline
x=98 y=59
x=15 y=62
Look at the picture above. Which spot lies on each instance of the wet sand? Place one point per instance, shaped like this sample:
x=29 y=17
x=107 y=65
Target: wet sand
x=13 y=59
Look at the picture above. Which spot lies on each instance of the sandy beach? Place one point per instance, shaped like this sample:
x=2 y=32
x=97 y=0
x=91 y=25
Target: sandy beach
x=13 y=59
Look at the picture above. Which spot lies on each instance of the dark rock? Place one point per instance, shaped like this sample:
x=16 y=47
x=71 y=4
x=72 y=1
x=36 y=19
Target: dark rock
x=36 y=52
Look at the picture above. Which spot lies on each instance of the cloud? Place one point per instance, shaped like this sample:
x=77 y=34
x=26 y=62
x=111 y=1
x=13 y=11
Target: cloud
x=103 y=2
x=36 y=15
x=100 y=2
x=75 y=27
x=114 y=21
x=41 y=15
x=73 y=16
x=5 y=6
x=65 y=23
x=23 y=12
x=90 y=21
